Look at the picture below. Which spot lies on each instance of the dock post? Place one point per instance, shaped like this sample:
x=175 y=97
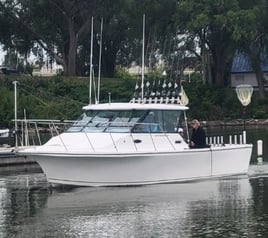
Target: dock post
x=241 y=139
x=235 y=139
x=244 y=137
x=259 y=151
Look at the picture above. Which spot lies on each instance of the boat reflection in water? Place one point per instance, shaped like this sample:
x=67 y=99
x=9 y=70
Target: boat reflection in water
x=173 y=210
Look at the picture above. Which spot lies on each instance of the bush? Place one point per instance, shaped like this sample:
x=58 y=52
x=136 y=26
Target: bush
x=61 y=97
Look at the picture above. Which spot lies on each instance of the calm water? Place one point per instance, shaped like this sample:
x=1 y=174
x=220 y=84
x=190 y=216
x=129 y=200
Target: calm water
x=230 y=207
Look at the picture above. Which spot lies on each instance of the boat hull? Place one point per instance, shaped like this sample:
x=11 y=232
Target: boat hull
x=126 y=169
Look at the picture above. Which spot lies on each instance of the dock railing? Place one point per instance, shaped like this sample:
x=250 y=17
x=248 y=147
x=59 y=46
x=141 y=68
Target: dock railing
x=233 y=139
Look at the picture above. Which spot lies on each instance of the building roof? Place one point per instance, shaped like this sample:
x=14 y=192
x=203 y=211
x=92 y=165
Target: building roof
x=241 y=64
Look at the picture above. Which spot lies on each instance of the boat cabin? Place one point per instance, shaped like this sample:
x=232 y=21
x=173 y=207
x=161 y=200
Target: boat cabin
x=134 y=118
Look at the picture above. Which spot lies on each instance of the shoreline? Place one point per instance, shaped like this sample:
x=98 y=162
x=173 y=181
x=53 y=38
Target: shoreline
x=235 y=122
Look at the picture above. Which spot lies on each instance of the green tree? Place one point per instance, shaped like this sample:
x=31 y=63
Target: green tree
x=122 y=31
x=214 y=24
x=62 y=29
x=57 y=26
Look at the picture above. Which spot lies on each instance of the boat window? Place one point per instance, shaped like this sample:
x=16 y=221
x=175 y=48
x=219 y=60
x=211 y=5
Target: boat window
x=122 y=116
x=124 y=121
x=148 y=122
x=136 y=121
x=159 y=121
x=136 y=115
x=82 y=121
x=100 y=121
x=171 y=121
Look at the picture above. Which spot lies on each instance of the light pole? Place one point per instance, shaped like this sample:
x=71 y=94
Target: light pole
x=244 y=93
x=15 y=114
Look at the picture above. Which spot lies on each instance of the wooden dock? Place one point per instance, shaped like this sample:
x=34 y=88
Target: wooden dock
x=9 y=156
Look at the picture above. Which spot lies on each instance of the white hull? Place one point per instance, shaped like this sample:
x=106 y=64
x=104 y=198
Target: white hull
x=144 y=168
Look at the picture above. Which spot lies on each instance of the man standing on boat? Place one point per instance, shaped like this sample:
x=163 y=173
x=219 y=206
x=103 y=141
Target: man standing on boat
x=198 y=137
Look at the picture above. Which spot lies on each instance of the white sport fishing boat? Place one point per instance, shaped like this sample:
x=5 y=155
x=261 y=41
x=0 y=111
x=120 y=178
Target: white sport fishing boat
x=135 y=143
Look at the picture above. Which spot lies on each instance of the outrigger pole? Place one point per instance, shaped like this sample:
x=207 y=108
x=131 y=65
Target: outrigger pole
x=142 y=66
x=91 y=56
x=100 y=52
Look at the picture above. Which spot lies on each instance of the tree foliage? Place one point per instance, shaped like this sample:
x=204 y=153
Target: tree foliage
x=220 y=27
x=179 y=33
x=62 y=98
x=56 y=26
x=62 y=28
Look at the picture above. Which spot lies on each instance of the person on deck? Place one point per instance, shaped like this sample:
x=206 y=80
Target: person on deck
x=198 y=137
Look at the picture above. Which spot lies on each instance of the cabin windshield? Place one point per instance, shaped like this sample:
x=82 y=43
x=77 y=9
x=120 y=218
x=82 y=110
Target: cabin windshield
x=125 y=121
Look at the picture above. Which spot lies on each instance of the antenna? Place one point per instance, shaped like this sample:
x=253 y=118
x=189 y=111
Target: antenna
x=142 y=66
x=100 y=52
x=91 y=56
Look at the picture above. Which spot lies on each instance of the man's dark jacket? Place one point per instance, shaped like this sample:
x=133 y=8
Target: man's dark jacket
x=199 y=138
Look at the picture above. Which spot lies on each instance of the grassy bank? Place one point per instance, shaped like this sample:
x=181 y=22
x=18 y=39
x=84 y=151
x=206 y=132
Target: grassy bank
x=62 y=98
